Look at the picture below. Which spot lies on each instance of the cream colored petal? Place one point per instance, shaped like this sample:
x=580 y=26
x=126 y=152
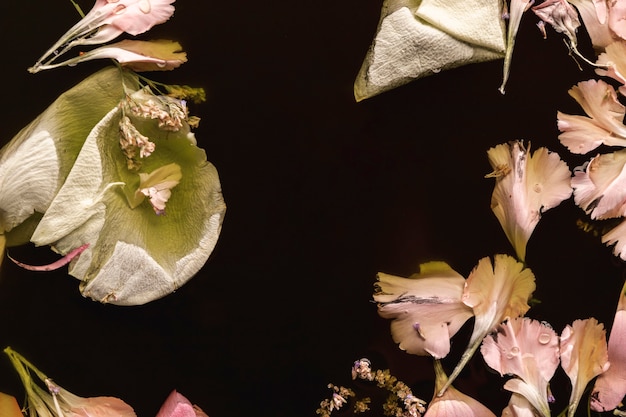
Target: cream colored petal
x=584 y=356
x=426 y=308
x=407 y=47
x=580 y=134
x=599 y=101
x=516 y=10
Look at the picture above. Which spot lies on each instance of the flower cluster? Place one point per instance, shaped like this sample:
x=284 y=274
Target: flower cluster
x=90 y=173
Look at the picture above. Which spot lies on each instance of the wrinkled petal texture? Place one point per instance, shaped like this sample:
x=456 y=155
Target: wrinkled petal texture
x=600 y=188
x=134 y=16
x=529 y=350
x=610 y=387
x=617 y=18
x=135 y=255
x=525 y=187
x=101 y=407
x=34 y=164
x=584 y=356
x=497 y=291
x=426 y=308
x=561 y=15
x=614 y=58
x=604 y=124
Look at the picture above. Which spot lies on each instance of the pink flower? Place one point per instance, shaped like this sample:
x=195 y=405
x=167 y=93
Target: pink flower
x=561 y=16
x=583 y=356
x=107 y=20
x=526 y=186
x=496 y=292
x=529 y=350
x=612 y=63
x=594 y=15
x=426 y=308
x=604 y=125
x=610 y=386
x=159 y=55
x=453 y=403
x=176 y=405
x=518 y=407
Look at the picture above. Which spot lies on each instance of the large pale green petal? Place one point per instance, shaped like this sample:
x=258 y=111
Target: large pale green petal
x=135 y=256
x=34 y=164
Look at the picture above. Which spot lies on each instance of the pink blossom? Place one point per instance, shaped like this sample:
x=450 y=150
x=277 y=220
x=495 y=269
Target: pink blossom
x=583 y=356
x=426 y=308
x=595 y=18
x=604 y=125
x=176 y=405
x=610 y=387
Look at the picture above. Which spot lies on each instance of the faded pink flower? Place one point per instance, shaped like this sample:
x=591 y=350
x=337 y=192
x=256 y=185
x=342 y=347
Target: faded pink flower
x=176 y=405
x=158 y=55
x=107 y=20
x=610 y=387
x=496 y=292
x=604 y=125
x=600 y=186
x=561 y=16
x=583 y=356
x=526 y=186
x=529 y=350
x=426 y=308
x=518 y=407
x=453 y=403
x=612 y=63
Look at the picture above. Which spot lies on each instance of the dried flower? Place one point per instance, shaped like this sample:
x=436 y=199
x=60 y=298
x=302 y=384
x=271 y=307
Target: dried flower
x=176 y=405
x=426 y=308
x=583 y=356
x=526 y=186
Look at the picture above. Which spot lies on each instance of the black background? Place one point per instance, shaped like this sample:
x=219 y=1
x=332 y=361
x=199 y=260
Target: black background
x=322 y=193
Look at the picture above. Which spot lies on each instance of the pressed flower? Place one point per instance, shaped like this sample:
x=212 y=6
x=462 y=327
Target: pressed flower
x=135 y=256
x=612 y=63
x=610 y=387
x=562 y=16
x=518 y=406
x=107 y=20
x=159 y=55
x=599 y=186
x=35 y=163
x=9 y=406
x=583 y=356
x=495 y=292
x=453 y=403
x=516 y=10
x=426 y=308
x=529 y=350
x=54 y=401
x=526 y=186
x=417 y=39
x=176 y=405
x=581 y=134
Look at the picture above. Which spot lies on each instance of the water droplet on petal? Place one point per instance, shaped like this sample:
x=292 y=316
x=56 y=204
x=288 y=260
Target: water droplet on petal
x=144 y=6
x=544 y=338
x=119 y=9
x=514 y=351
x=161 y=64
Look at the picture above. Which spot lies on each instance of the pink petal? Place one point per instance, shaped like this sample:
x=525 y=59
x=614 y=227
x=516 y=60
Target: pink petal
x=617 y=17
x=580 y=134
x=176 y=405
x=101 y=407
x=617 y=237
x=54 y=265
x=594 y=15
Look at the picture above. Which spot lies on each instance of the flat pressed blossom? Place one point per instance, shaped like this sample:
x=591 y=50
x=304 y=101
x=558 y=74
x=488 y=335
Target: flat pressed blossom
x=526 y=186
x=417 y=39
x=453 y=403
x=55 y=401
x=562 y=16
x=158 y=55
x=612 y=63
x=516 y=10
x=107 y=20
x=496 y=291
x=600 y=186
x=518 y=406
x=35 y=163
x=604 y=125
x=426 y=308
x=177 y=405
x=583 y=356
x=135 y=256
x=529 y=350
x=610 y=387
